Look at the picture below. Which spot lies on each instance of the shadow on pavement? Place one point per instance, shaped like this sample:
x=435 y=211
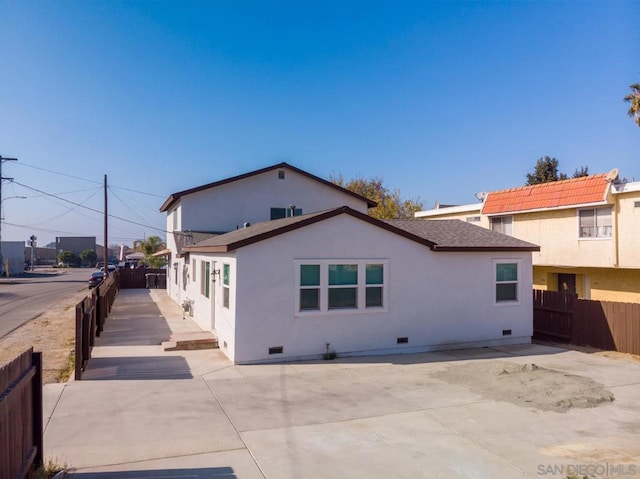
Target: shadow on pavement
x=194 y=473
x=137 y=368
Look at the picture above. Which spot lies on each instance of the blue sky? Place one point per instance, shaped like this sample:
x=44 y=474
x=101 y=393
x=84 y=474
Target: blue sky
x=440 y=99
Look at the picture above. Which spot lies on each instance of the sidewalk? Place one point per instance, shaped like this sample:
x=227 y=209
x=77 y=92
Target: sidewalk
x=140 y=405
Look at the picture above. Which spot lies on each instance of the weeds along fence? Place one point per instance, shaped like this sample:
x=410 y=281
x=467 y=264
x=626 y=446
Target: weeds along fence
x=91 y=314
x=605 y=325
x=21 y=418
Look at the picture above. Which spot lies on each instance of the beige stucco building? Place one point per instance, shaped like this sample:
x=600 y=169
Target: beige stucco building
x=588 y=230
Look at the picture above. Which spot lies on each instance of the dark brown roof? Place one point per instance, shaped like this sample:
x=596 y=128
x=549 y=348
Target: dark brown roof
x=457 y=235
x=484 y=240
x=173 y=198
x=189 y=238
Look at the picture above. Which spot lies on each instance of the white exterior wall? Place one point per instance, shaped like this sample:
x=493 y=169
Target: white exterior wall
x=226 y=207
x=437 y=300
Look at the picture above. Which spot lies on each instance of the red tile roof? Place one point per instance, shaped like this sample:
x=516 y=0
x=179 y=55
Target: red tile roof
x=577 y=191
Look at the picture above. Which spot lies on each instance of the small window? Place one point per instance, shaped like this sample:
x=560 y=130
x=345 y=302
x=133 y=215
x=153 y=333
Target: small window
x=636 y=204
x=205 y=287
x=375 y=280
x=309 y=287
x=595 y=223
x=281 y=174
x=278 y=213
x=193 y=268
x=226 y=281
x=502 y=224
x=473 y=219
x=506 y=282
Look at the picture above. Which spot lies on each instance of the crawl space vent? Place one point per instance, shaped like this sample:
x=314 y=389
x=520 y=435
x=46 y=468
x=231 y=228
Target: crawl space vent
x=402 y=340
x=276 y=350
x=506 y=332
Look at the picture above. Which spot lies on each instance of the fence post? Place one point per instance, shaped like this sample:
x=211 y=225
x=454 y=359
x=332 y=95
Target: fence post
x=79 y=338
x=38 y=420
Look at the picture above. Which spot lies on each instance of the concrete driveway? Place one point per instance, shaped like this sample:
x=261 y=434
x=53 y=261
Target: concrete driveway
x=143 y=412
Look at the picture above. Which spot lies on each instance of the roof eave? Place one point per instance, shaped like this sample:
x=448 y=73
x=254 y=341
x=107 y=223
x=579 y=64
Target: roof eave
x=553 y=208
x=176 y=196
x=489 y=249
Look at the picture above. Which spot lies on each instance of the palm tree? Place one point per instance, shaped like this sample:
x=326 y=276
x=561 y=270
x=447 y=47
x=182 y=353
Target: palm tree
x=634 y=99
x=151 y=245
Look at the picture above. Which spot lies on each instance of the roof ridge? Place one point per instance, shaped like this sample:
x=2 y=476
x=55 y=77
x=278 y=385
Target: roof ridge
x=548 y=184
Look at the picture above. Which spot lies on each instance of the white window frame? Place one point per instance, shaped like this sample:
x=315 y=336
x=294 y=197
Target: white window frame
x=205 y=278
x=324 y=288
x=226 y=288
x=502 y=218
x=594 y=209
x=518 y=281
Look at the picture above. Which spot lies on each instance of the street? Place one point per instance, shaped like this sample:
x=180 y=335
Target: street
x=25 y=298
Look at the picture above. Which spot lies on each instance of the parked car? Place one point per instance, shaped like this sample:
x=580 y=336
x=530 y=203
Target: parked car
x=96 y=278
x=112 y=268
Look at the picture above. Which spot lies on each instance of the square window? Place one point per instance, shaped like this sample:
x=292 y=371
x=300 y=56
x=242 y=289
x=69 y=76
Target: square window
x=343 y=298
x=375 y=273
x=341 y=274
x=595 y=223
x=374 y=297
x=309 y=299
x=310 y=275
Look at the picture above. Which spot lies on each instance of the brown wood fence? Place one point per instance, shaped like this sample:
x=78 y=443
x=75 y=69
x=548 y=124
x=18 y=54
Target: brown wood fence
x=143 y=278
x=21 y=415
x=601 y=324
x=91 y=314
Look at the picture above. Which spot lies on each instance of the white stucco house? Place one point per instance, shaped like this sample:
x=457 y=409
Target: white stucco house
x=337 y=279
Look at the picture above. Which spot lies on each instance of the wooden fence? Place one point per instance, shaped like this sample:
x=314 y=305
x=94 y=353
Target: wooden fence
x=143 y=278
x=600 y=324
x=91 y=314
x=21 y=417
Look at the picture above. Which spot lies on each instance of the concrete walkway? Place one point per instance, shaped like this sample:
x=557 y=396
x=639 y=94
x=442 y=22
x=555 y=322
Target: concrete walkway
x=141 y=412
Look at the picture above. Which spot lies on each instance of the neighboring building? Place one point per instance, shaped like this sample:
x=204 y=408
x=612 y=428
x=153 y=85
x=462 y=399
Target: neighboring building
x=331 y=278
x=588 y=230
x=43 y=256
x=13 y=258
x=75 y=244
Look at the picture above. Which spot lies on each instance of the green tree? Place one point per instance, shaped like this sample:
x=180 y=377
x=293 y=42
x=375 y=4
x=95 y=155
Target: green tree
x=546 y=170
x=390 y=204
x=149 y=246
x=633 y=99
x=579 y=173
x=88 y=256
x=67 y=258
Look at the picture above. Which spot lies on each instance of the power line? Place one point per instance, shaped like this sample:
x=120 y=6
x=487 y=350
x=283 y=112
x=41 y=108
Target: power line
x=92 y=209
x=88 y=180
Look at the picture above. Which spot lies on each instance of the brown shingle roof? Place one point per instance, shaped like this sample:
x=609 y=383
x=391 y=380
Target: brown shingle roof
x=576 y=191
x=457 y=235
x=448 y=235
x=173 y=198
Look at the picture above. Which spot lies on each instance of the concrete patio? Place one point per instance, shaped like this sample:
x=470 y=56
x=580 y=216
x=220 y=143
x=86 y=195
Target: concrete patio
x=143 y=412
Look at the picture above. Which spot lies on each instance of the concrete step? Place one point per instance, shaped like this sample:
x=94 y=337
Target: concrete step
x=190 y=341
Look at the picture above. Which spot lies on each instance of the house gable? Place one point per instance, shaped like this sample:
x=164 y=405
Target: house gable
x=175 y=197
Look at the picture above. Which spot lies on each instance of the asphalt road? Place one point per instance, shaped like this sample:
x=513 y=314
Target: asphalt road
x=23 y=299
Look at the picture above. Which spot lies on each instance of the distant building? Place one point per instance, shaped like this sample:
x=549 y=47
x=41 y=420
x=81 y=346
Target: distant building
x=43 y=256
x=13 y=257
x=75 y=244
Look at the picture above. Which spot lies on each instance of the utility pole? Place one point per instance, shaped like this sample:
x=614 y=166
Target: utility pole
x=2 y=160
x=32 y=242
x=106 y=247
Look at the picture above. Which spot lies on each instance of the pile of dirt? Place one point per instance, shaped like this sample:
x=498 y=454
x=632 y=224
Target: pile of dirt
x=528 y=385
x=52 y=333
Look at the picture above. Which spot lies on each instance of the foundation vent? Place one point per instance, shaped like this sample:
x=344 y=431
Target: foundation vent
x=276 y=350
x=404 y=340
x=506 y=332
